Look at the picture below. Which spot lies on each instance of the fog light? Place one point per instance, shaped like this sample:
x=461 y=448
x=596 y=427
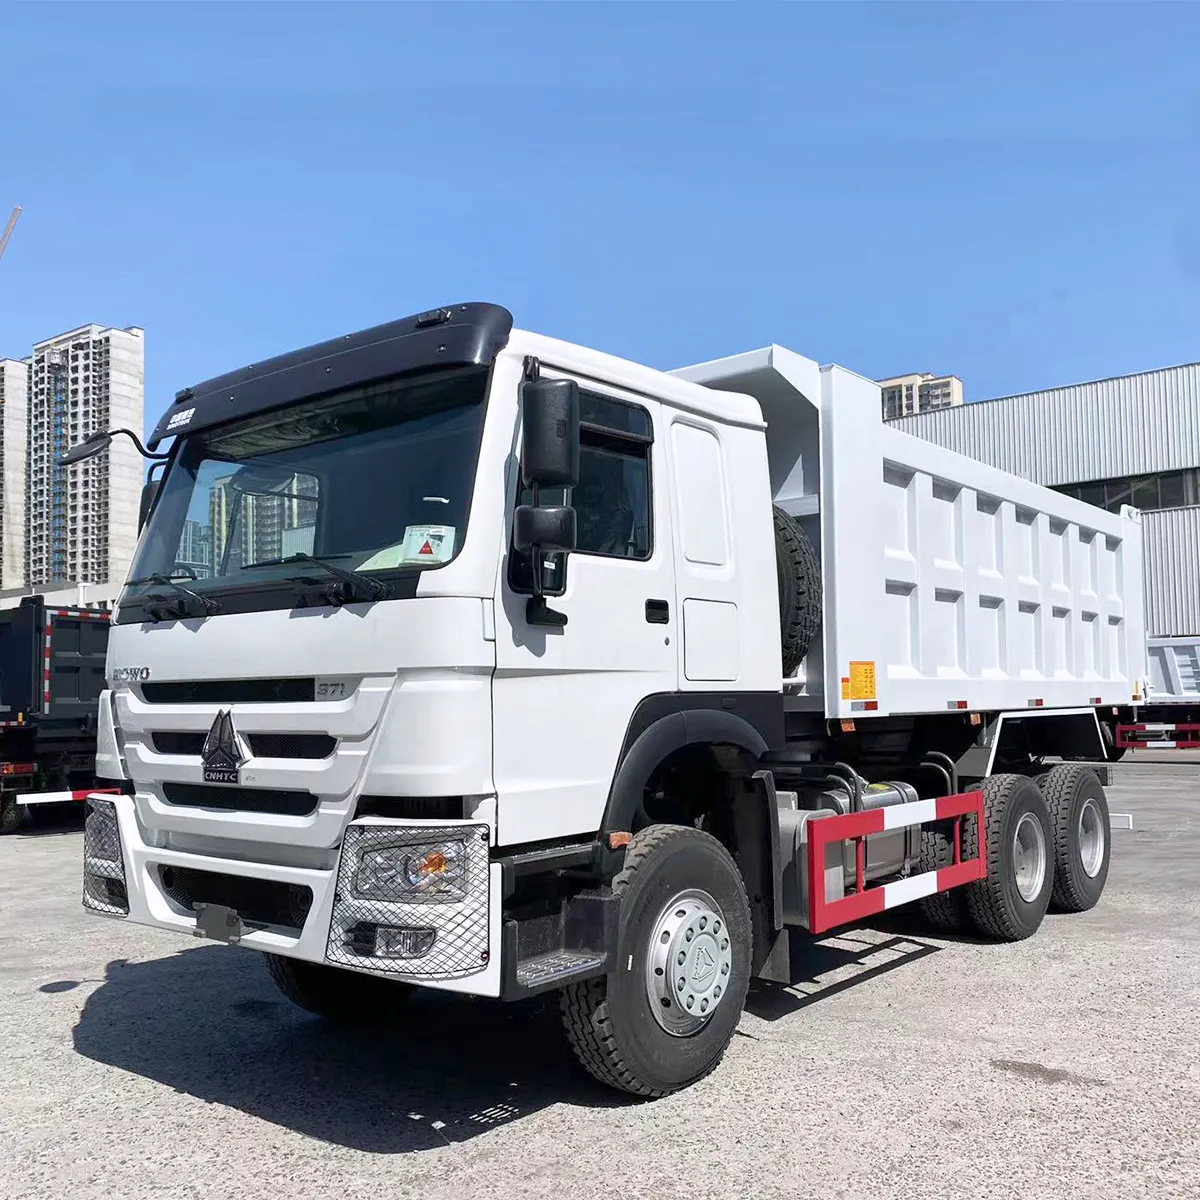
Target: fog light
x=392 y=942
x=435 y=872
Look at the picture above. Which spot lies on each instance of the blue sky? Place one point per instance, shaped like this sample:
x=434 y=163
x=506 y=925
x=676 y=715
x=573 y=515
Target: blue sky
x=1007 y=192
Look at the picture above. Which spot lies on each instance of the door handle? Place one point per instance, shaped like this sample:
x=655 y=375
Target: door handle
x=658 y=612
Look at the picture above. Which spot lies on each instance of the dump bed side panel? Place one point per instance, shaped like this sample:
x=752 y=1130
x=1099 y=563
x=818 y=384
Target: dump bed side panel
x=950 y=584
x=52 y=661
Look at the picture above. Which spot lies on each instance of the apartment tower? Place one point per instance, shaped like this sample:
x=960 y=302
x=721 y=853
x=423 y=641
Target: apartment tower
x=81 y=522
x=14 y=421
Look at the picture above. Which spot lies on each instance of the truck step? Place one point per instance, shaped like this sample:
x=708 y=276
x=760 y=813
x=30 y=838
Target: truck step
x=559 y=966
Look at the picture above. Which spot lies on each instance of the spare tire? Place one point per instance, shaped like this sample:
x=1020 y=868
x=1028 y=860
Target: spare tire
x=799 y=590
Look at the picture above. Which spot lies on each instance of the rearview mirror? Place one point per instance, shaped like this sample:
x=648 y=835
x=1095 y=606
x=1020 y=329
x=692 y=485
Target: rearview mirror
x=550 y=432
x=88 y=448
x=549 y=529
x=149 y=493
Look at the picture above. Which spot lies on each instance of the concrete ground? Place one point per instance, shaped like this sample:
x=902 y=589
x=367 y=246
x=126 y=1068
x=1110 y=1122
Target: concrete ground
x=133 y=1063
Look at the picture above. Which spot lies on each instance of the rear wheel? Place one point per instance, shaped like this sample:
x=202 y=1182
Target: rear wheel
x=665 y=1016
x=12 y=815
x=1079 y=813
x=335 y=994
x=945 y=911
x=1010 y=902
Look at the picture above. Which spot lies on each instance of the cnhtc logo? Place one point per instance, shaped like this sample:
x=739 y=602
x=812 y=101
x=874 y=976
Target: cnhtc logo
x=222 y=751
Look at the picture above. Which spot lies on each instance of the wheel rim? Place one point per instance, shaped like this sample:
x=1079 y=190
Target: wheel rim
x=1091 y=838
x=1029 y=856
x=689 y=963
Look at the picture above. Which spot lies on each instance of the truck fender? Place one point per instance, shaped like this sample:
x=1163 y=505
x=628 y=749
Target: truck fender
x=688 y=727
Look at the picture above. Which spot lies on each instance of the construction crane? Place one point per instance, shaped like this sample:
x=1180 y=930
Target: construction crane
x=12 y=224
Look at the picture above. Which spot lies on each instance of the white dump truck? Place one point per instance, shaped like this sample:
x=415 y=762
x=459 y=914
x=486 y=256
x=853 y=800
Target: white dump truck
x=459 y=657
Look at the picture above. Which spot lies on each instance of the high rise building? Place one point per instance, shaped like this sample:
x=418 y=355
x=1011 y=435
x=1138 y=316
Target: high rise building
x=81 y=522
x=908 y=394
x=14 y=422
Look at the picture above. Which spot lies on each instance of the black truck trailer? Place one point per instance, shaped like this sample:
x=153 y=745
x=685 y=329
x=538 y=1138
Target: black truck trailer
x=51 y=677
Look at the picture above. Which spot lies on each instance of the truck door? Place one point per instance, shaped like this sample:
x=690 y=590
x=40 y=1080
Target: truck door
x=563 y=698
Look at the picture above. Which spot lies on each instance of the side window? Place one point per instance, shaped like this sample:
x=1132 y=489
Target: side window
x=613 y=500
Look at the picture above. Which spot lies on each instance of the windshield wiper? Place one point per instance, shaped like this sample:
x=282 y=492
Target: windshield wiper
x=207 y=603
x=352 y=583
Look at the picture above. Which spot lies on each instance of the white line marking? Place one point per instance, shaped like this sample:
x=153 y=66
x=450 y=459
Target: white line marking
x=900 y=815
x=904 y=890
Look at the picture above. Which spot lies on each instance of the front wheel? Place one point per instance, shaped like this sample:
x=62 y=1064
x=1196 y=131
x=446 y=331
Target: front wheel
x=334 y=994
x=665 y=1015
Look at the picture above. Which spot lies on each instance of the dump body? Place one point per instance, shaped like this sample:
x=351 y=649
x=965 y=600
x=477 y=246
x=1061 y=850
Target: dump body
x=1174 y=667
x=51 y=677
x=947 y=583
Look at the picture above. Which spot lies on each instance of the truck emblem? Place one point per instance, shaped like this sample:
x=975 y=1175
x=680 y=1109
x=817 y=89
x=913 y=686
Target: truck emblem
x=222 y=753
x=703 y=967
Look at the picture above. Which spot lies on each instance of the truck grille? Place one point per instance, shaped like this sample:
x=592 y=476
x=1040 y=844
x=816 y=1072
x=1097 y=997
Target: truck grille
x=231 y=691
x=261 y=901
x=276 y=801
x=262 y=745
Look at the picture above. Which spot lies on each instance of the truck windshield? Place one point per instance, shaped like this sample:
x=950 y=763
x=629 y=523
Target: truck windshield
x=376 y=479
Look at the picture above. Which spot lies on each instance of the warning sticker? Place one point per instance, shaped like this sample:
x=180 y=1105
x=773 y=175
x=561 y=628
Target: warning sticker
x=423 y=545
x=862 y=681
x=845 y=687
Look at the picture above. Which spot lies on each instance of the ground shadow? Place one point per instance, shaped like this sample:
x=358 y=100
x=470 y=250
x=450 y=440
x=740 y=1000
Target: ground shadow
x=821 y=969
x=208 y=1022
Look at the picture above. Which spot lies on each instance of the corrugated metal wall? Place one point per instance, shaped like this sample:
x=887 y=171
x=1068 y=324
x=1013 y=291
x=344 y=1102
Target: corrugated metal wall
x=1133 y=425
x=1171 y=541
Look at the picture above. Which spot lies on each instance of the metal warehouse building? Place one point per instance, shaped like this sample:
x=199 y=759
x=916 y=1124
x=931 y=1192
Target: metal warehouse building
x=1130 y=440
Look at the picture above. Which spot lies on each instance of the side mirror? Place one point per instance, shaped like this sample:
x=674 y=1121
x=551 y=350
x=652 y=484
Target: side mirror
x=551 y=529
x=149 y=494
x=88 y=448
x=550 y=433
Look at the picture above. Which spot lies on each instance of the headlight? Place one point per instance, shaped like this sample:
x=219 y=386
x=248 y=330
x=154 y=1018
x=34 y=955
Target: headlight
x=436 y=871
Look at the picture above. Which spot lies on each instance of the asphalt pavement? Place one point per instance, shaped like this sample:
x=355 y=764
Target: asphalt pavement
x=134 y=1063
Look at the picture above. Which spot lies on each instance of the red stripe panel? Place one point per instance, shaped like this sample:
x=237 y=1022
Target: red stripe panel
x=96 y=792
x=864 y=902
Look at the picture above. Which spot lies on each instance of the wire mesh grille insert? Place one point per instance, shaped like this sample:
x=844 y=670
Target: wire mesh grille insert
x=277 y=801
x=412 y=901
x=256 y=901
x=230 y=691
x=103 y=863
x=262 y=745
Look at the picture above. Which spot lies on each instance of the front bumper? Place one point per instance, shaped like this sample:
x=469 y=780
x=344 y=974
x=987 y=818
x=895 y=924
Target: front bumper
x=301 y=912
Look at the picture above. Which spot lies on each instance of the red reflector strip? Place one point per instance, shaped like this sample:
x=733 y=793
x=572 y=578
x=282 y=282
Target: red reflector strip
x=18 y=768
x=28 y=798
x=824 y=913
x=956 y=704
x=864 y=705
x=1035 y=703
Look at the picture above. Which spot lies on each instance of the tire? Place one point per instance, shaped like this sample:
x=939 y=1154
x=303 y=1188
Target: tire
x=995 y=904
x=946 y=912
x=799 y=574
x=12 y=815
x=1076 y=799
x=337 y=995
x=611 y=1023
